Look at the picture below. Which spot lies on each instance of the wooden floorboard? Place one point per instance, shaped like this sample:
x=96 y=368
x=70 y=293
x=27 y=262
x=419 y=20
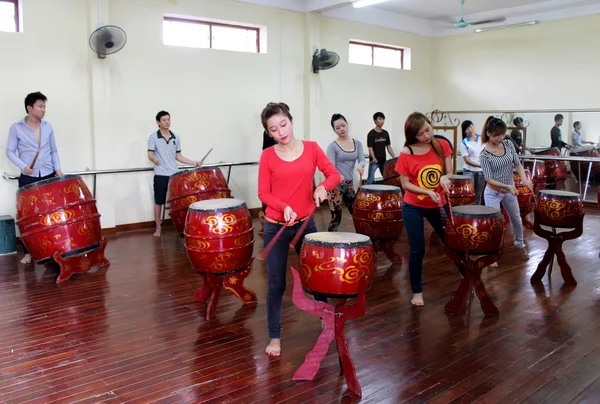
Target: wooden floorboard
x=133 y=333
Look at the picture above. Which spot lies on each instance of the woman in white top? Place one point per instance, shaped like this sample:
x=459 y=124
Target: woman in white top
x=470 y=149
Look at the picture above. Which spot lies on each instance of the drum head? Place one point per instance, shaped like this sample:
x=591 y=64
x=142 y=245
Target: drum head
x=48 y=181
x=555 y=193
x=462 y=177
x=377 y=188
x=337 y=239
x=191 y=170
x=217 y=205
x=475 y=211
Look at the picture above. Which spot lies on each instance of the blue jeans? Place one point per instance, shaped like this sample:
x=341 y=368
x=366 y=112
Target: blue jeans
x=478 y=182
x=415 y=229
x=277 y=268
x=511 y=204
x=372 y=168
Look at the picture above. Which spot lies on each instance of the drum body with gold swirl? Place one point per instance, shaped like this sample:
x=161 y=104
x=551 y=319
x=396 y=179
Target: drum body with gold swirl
x=475 y=228
x=219 y=235
x=588 y=151
x=556 y=171
x=462 y=191
x=524 y=194
x=191 y=186
x=557 y=208
x=333 y=263
x=538 y=174
x=390 y=175
x=58 y=214
x=377 y=211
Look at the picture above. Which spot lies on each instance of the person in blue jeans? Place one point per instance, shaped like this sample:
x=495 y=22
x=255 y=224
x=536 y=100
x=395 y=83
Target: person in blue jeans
x=378 y=141
x=497 y=161
x=425 y=166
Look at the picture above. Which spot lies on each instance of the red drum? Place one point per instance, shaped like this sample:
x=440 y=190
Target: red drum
x=378 y=211
x=58 y=214
x=219 y=235
x=538 y=174
x=525 y=194
x=333 y=263
x=462 y=191
x=476 y=228
x=390 y=175
x=589 y=151
x=556 y=171
x=557 y=208
x=194 y=185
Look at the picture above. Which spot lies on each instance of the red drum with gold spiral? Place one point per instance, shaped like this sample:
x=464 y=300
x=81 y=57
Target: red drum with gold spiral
x=478 y=229
x=390 y=175
x=538 y=174
x=333 y=263
x=524 y=195
x=462 y=191
x=377 y=211
x=557 y=208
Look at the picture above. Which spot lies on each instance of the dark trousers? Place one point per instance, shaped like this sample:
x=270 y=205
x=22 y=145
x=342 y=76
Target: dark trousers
x=415 y=229
x=277 y=269
x=26 y=180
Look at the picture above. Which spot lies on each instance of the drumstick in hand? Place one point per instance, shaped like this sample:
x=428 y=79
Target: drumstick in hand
x=303 y=227
x=263 y=255
x=34 y=159
x=206 y=155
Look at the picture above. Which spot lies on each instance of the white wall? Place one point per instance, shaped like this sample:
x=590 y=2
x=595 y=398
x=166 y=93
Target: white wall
x=103 y=110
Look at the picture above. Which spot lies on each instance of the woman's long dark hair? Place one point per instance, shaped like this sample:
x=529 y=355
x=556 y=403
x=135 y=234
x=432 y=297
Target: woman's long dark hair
x=412 y=126
x=464 y=126
x=493 y=126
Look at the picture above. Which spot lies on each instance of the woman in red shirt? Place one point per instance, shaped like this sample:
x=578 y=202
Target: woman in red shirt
x=426 y=168
x=285 y=185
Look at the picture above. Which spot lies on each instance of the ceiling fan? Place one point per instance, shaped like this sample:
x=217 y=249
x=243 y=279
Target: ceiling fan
x=463 y=24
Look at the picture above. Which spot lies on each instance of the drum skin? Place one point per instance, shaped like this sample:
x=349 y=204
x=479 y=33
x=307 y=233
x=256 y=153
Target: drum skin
x=191 y=186
x=462 y=191
x=586 y=152
x=58 y=214
x=390 y=175
x=334 y=268
x=219 y=240
x=525 y=194
x=538 y=174
x=476 y=228
x=377 y=211
x=559 y=208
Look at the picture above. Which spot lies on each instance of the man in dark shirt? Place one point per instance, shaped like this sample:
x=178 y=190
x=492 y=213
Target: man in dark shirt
x=378 y=140
x=555 y=134
x=517 y=136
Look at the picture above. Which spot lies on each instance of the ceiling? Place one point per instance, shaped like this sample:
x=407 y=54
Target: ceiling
x=436 y=17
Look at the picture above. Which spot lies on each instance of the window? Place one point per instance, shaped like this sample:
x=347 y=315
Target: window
x=364 y=53
x=211 y=35
x=9 y=16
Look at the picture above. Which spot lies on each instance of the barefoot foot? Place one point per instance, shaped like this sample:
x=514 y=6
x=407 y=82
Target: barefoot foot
x=156 y=233
x=274 y=347
x=417 y=300
x=26 y=259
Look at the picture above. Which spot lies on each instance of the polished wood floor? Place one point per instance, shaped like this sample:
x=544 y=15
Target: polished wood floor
x=133 y=333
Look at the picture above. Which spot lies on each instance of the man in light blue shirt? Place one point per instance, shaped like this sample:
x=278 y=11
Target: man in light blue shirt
x=576 y=139
x=31 y=147
x=164 y=150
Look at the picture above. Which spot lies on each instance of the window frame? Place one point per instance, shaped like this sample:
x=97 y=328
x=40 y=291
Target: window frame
x=216 y=24
x=373 y=46
x=15 y=4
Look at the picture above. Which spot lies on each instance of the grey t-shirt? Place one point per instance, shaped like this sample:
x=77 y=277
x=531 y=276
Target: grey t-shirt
x=166 y=151
x=344 y=161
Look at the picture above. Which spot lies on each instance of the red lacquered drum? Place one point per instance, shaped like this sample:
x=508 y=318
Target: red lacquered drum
x=58 y=214
x=586 y=151
x=556 y=171
x=478 y=228
x=378 y=211
x=462 y=191
x=194 y=185
x=333 y=263
x=390 y=175
x=525 y=194
x=219 y=235
x=538 y=174
x=559 y=208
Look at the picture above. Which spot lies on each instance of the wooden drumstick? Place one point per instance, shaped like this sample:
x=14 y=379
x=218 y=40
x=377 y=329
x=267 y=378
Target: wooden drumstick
x=263 y=255
x=303 y=227
x=206 y=155
x=34 y=159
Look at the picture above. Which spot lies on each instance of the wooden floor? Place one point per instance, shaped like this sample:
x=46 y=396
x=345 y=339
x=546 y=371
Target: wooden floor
x=133 y=333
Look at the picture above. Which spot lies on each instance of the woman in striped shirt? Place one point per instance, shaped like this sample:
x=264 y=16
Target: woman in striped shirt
x=497 y=161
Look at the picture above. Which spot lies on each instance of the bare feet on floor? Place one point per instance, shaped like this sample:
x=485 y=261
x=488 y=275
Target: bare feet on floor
x=494 y=265
x=524 y=253
x=157 y=233
x=417 y=300
x=26 y=259
x=274 y=347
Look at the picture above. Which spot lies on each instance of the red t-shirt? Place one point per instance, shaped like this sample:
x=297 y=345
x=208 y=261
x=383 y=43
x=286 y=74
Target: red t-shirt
x=425 y=172
x=290 y=183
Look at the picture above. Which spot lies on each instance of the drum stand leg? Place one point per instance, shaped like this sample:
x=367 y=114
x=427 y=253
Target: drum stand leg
x=79 y=264
x=213 y=284
x=462 y=298
x=555 y=242
x=334 y=320
x=387 y=246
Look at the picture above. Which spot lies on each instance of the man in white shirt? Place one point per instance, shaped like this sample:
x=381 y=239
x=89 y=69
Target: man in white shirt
x=576 y=139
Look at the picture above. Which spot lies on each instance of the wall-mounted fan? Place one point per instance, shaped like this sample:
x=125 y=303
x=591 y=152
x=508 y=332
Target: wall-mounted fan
x=107 y=39
x=323 y=60
x=463 y=24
